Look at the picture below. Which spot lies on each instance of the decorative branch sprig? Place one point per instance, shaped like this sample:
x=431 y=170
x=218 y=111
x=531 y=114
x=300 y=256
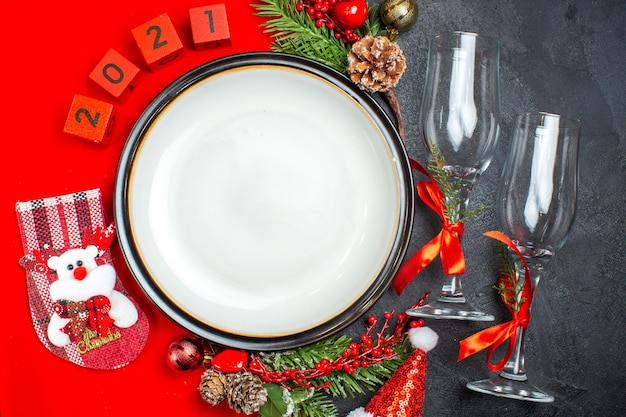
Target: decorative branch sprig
x=450 y=186
x=508 y=286
x=295 y=31
x=299 y=381
x=329 y=364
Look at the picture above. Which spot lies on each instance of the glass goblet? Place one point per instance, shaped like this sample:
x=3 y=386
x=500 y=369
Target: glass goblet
x=536 y=206
x=460 y=114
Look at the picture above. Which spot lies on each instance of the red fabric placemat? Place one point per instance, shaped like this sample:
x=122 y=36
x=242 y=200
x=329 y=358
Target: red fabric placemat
x=49 y=50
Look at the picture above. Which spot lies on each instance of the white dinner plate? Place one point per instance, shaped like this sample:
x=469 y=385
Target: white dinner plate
x=263 y=201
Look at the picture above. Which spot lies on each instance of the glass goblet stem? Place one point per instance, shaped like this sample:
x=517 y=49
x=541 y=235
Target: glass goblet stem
x=452 y=290
x=451 y=302
x=511 y=381
x=514 y=367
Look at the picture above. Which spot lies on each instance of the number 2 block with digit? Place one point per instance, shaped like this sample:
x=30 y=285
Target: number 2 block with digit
x=116 y=74
x=209 y=26
x=90 y=119
x=158 y=42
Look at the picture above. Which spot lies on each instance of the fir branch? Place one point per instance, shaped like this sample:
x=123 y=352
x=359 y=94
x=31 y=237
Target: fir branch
x=508 y=287
x=295 y=33
x=306 y=356
x=369 y=378
x=342 y=384
x=335 y=367
x=450 y=186
x=372 y=25
x=317 y=405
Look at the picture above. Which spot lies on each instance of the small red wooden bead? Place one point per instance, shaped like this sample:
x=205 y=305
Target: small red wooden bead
x=416 y=323
x=158 y=42
x=209 y=26
x=116 y=74
x=90 y=119
x=255 y=366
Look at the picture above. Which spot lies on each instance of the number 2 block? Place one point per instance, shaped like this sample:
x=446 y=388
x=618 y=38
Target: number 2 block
x=116 y=74
x=90 y=119
x=158 y=42
x=209 y=26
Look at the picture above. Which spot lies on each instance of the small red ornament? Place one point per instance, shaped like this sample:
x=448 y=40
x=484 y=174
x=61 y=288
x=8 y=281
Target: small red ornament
x=185 y=353
x=230 y=360
x=349 y=14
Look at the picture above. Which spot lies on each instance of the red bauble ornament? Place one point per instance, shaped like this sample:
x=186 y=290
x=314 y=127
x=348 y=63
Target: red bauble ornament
x=349 y=14
x=185 y=353
x=230 y=360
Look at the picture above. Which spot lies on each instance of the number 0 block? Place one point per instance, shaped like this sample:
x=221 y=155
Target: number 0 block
x=209 y=26
x=116 y=74
x=90 y=119
x=158 y=42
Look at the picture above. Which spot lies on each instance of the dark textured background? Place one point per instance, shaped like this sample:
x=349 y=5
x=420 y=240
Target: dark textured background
x=565 y=57
x=558 y=56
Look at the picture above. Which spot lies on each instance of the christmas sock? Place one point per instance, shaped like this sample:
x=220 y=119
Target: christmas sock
x=78 y=305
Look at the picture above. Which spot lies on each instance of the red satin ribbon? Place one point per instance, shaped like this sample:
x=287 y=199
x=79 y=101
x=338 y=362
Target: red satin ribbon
x=495 y=336
x=447 y=244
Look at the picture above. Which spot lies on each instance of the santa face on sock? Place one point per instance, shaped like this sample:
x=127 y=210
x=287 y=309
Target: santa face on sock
x=84 y=295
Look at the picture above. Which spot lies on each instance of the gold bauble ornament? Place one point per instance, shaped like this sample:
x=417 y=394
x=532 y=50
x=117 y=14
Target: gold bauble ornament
x=399 y=15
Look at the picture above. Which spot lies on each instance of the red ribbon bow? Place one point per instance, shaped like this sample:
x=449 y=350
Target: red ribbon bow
x=92 y=312
x=446 y=245
x=495 y=336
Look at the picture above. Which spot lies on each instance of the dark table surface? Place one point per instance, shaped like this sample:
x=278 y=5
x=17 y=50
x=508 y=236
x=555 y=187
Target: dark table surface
x=565 y=57
x=559 y=56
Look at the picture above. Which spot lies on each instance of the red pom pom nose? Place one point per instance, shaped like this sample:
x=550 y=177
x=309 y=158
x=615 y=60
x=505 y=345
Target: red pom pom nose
x=80 y=273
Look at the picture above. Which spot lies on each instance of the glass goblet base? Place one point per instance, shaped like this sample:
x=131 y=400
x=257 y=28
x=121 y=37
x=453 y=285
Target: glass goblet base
x=502 y=386
x=451 y=308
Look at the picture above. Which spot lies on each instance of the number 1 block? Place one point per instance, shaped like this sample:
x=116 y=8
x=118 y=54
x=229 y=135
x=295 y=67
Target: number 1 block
x=209 y=26
x=116 y=74
x=90 y=119
x=158 y=42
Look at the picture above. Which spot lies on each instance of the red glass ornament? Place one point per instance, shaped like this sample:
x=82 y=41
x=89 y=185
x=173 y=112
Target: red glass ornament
x=185 y=353
x=350 y=14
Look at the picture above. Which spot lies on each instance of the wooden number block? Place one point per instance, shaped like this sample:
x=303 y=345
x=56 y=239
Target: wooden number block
x=158 y=42
x=90 y=119
x=209 y=26
x=116 y=74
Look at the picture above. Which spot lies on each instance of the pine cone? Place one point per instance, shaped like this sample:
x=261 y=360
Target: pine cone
x=246 y=393
x=375 y=63
x=213 y=386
